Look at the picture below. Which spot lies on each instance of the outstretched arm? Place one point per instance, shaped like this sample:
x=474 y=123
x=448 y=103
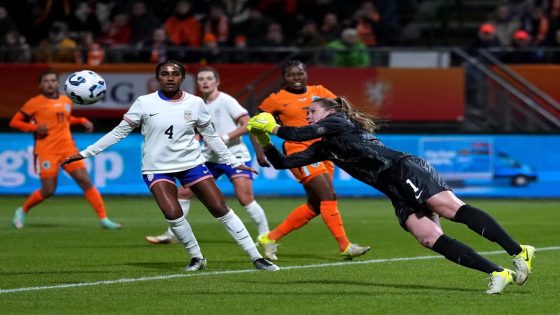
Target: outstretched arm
x=312 y=154
x=114 y=136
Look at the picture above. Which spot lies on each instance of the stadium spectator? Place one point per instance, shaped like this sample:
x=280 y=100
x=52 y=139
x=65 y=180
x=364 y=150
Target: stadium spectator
x=288 y=105
x=6 y=22
x=142 y=23
x=367 y=21
x=84 y=19
x=274 y=38
x=230 y=120
x=536 y=23
x=117 y=37
x=158 y=48
x=169 y=119
x=521 y=52
x=330 y=27
x=217 y=23
x=241 y=55
x=418 y=194
x=48 y=116
x=238 y=11
x=486 y=39
x=89 y=52
x=58 y=47
x=14 y=48
x=348 y=51
x=506 y=23
x=183 y=27
x=254 y=28
x=310 y=38
x=211 y=50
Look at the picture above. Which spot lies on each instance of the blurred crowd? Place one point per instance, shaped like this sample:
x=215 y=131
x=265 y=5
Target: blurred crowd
x=518 y=28
x=97 y=31
x=232 y=31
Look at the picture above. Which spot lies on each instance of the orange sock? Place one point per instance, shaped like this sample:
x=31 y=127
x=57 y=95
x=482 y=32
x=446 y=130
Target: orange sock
x=34 y=199
x=333 y=220
x=296 y=219
x=94 y=198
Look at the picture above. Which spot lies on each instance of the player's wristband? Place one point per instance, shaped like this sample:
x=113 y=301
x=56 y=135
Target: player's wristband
x=225 y=137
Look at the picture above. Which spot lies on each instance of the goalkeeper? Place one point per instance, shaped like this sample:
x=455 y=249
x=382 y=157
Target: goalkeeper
x=420 y=197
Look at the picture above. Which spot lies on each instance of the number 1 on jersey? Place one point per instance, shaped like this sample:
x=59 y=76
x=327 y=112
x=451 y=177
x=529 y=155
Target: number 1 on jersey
x=169 y=132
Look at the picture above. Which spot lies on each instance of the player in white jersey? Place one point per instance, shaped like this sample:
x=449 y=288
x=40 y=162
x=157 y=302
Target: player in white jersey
x=168 y=119
x=230 y=121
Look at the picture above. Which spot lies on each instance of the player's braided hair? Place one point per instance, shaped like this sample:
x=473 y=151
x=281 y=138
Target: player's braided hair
x=342 y=105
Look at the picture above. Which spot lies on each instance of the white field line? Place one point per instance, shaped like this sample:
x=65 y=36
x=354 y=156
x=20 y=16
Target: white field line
x=227 y=272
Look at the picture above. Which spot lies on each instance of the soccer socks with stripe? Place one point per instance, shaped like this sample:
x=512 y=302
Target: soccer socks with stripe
x=94 y=198
x=34 y=199
x=463 y=255
x=256 y=213
x=296 y=219
x=237 y=230
x=333 y=220
x=483 y=224
x=185 y=206
x=183 y=231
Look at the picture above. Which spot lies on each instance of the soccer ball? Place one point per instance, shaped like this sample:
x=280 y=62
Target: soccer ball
x=85 y=87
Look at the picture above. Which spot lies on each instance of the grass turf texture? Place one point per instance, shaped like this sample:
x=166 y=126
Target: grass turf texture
x=62 y=244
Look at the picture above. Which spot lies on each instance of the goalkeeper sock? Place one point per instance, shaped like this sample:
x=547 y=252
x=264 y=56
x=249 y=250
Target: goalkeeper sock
x=256 y=213
x=237 y=230
x=333 y=220
x=34 y=199
x=463 y=255
x=483 y=224
x=296 y=219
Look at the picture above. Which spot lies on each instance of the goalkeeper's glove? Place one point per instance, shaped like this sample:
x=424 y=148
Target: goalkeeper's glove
x=262 y=137
x=264 y=122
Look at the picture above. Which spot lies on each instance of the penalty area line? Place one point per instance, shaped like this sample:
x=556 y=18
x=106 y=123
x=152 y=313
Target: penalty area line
x=228 y=272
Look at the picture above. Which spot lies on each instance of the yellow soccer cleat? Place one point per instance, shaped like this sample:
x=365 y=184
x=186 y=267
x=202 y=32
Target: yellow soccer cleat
x=522 y=264
x=499 y=280
x=268 y=245
x=354 y=250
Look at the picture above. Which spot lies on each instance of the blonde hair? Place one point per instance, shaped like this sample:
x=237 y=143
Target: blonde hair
x=342 y=105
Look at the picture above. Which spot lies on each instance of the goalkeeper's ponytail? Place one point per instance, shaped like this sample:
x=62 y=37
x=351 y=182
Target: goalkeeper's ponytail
x=341 y=105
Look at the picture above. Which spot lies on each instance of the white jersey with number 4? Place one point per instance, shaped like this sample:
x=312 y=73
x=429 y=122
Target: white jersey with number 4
x=225 y=111
x=168 y=127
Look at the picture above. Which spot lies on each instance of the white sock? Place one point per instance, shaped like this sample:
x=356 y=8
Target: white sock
x=237 y=230
x=256 y=213
x=185 y=206
x=182 y=230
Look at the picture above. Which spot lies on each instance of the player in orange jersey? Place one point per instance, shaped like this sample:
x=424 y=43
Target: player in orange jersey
x=289 y=105
x=48 y=116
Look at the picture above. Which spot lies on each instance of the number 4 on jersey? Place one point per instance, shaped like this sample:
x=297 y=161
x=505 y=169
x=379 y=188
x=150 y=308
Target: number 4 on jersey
x=169 y=132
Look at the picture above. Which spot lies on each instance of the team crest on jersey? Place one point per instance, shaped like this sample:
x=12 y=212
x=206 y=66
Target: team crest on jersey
x=188 y=114
x=67 y=107
x=46 y=164
x=150 y=177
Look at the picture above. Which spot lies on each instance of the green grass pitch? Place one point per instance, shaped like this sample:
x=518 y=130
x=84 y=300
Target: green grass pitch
x=62 y=262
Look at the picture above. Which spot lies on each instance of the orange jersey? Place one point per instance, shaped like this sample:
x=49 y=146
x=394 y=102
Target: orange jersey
x=291 y=110
x=55 y=113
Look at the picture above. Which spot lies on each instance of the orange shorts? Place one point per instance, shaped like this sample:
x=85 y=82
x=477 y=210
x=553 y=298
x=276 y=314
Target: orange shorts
x=48 y=164
x=305 y=173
